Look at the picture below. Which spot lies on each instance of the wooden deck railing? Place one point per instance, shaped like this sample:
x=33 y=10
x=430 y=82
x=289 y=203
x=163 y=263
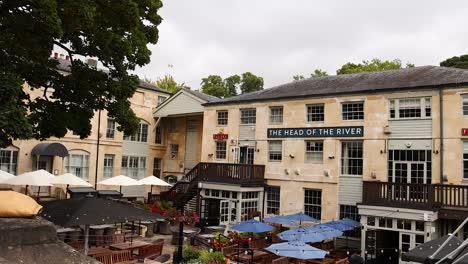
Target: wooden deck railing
x=415 y=196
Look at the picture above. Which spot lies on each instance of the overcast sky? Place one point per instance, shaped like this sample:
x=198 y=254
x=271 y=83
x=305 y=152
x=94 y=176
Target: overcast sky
x=278 y=39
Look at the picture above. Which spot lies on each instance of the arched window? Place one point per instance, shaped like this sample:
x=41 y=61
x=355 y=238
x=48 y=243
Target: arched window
x=77 y=163
x=141 y=135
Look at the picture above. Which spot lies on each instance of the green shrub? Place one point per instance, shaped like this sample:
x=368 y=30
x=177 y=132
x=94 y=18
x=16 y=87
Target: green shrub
x=189 y=253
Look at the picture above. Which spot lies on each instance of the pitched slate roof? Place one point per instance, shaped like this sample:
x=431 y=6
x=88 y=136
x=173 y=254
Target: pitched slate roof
x=203 y=96
x=370 y=82
x=64 y=65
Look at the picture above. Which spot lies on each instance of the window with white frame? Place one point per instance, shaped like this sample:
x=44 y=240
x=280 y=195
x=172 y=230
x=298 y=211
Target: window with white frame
x=249 y=204
x=349 y=211
x=220 y=150
x=134 y=167
x=158 y=135
x=276 y=115
x=351 y=158
x=315 y=113
x=222 y=117
x=465 y=160
x=275 y=150
x=465 y=104
x=157 y=166
x=110 y=129
x=108 y=165
x=273 y=199
x=410 y=108
x=77 y=164
x=161 y=99
x=314 y=151
x=248 y=116
x=313 y=203
x=140 y=136
x=8 y=160
x=352 y=110
x=174 y=151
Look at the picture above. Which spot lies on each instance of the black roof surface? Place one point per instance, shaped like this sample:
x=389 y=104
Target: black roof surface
x=64 y=65
x=409 y=78
x=203 y=96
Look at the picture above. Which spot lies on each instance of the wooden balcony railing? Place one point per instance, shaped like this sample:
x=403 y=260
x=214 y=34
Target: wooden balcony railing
x=415 y=196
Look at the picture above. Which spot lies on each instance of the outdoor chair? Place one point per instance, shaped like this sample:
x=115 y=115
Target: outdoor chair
x=150 y=251
x=122 y=257
x=258 y=244
x=266 y=260
x=230 y=251
x=282 y=260
x=159 y=241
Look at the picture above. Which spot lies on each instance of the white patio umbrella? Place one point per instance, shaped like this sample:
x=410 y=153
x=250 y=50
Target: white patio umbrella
x=5 y=176
x=153 y=181
x=70 y=179
x=120 y=180
x=35 y=178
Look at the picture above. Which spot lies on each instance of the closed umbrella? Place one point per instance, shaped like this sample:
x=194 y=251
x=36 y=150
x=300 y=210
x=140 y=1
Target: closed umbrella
x=252 y=226
x=301 y=234
x=35 y=178
x=120 y=180
x=298 y=250
x=5 y=176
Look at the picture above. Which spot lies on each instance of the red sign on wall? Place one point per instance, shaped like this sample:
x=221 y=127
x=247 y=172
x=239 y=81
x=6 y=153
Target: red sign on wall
x=464 y=131
x=220 y=136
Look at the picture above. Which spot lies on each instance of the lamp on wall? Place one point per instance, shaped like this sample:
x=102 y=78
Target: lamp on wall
x=291 y=156
x=210 y=155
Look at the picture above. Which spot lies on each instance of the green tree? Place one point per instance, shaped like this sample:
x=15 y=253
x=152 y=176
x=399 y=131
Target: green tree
x=250 y=83
x=213 y=85
x=371 y=66
x=116 y=33
x=232 y=84
x=456 y=62
x=319 y=73
x=298 y=77
x=168 y=83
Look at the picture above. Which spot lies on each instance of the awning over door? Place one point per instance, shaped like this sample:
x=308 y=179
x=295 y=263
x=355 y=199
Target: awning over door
x=50 y=149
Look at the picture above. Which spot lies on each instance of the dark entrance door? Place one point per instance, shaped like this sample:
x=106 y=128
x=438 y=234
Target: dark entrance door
x=246 y=155
x=382 y=247
x=211 y=212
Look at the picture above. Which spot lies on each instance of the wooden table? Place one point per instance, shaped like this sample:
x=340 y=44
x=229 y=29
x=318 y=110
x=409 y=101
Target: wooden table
x=129 y=245
x=248 y=258
x=98 y=250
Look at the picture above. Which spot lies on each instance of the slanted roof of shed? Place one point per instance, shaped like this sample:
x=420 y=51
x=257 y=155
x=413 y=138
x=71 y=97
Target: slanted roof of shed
x=383 y=81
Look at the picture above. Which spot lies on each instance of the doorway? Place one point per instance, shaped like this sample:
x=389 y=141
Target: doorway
x=246 y=155
x=382 y=246
x=43 y=163
x=411 y=175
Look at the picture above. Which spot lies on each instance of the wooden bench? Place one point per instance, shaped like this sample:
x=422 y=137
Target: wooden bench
x=150 y=251
x=282 y=260
x=122 y=257
x=105 y=258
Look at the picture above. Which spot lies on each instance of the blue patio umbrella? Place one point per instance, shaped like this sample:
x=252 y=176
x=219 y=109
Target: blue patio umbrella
x=298 y=250
x=302 y=234
x=351 y=222
x=252 y=226
x=339 y=225
x=281 y=220
x=325 y=231
x=301 y=217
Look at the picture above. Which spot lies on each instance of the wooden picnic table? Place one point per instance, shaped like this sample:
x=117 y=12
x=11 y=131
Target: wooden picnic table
x=129 y=245
x=248 y=258
x=98 y=250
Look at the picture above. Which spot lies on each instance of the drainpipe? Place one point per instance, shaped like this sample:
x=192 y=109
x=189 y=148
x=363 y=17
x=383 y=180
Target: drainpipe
x=97 y=149
x=441 y=129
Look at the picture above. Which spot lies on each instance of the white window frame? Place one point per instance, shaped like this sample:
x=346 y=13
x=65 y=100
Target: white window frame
x=311 y=113
x=108 y=168
x=346 y=160
x=110 y=129
x=273 y=200
x=464 y=105
x=248 y=116
x=465 y=161
x=220 y=117
x=141 y=135
x=134 y=166
x=276 y=118
x=273 y=151
x=313 y=155
x=174 y=151
x=312 y=204
x=161 y=99
x=83 y=171
x=9 y=162
x=221 y=153
x=424 y=106
x=351 y=113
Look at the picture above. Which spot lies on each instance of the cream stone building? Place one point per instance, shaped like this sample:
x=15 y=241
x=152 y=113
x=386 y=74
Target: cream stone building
x=389 y=149
x=136 y=155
